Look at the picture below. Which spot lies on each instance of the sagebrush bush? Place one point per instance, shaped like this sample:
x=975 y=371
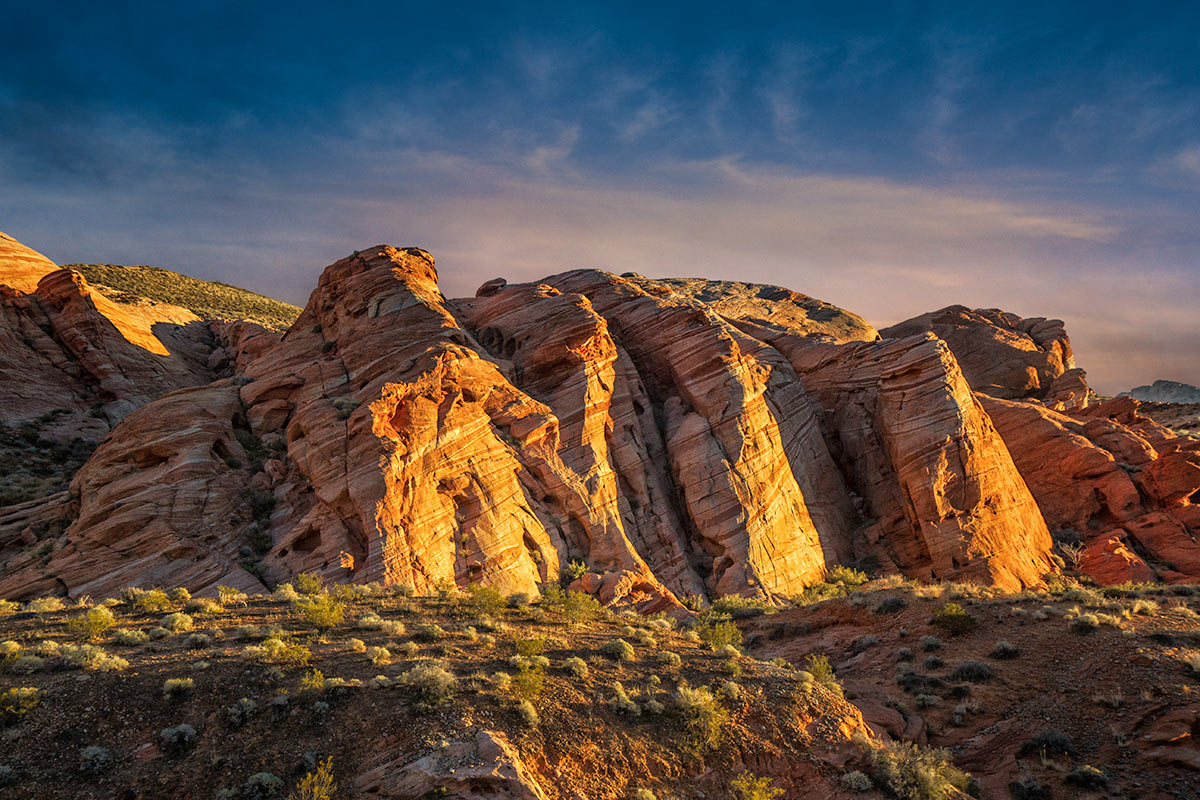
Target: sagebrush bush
x=177 y=740
x=18 y=701
x=130 y=638
x=204 y=605
x=44 y=605
x=285 y=593
x=718 y=633
x=1087 y=777
x=748 y=786
x=1048 y=742
x=1005 y=650
x=822 y=672
x=528 y=713
x=930 y=643
x=240 y=712
x=857 y=781
x=576 y=667
x=91 y=658
x=704 y=717
x=176 y=689
x=25 y=665
x=322 y=611
x=953 y=618
x=669 y=659
x=94 y=760
x=317 y=784
x=150 y=601
x=429 y=632
x=621 y=703
x=91 y=624
x=277 y=651
x=434 y=684
x=912 y=773
x=973 y=672
x=177 y=622
x=8 y=607
x=379 y=656
x=618 y=650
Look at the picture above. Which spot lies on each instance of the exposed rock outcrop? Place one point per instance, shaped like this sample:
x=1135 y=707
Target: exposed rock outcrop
x=679 y=437
x=1165 y=392
x=1003 y=355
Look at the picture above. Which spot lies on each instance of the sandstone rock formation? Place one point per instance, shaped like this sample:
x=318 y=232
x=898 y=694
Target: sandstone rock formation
x=1165 y=392
x=1003 y=355
x=679 y=437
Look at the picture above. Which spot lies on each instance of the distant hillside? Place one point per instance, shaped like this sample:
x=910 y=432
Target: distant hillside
x=207 y=299
x=1166 y=392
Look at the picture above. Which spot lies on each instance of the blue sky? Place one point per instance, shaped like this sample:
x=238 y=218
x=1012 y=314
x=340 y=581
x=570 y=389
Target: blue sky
x=890 y=158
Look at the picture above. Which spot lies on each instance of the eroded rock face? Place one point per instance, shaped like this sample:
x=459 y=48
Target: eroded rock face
x=1003 y=355
x=1119 y=482
x=677 y=438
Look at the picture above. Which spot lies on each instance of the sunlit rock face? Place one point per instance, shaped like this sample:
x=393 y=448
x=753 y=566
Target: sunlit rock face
x=679 y=437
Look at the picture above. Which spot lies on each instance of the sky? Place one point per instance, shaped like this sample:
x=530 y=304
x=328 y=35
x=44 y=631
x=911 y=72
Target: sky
x=891 y=158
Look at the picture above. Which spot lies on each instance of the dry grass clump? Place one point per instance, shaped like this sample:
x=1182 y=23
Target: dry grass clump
x=277 y=651
x=434 y=684
x=176 y=689
x=91 y=658
x=177 y=622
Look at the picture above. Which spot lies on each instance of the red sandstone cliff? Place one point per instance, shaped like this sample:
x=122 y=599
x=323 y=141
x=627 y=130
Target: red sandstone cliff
x=678 y=436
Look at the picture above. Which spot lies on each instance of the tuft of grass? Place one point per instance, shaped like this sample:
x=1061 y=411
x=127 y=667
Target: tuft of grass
x=91 y=658
x=576 y=667
x=434 y=684
x=1005 y=650
x=130 y=638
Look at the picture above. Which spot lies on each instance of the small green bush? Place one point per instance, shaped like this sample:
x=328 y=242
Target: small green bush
x=953 y=618
x=92 y=624
x=176 y=689
x=857 y=781
x=94 y=760
x=322 y=611
x=152 y=601
x=704 y=718
x=718 y=633
x=433 y=682
x=576 y=667
x=749 y=786
x=130 y=638
x=177 y=740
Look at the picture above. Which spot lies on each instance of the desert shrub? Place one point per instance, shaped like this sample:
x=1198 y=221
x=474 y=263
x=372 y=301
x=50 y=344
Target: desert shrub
x=934 y=662
x=704 y=717
x=18 y=701
x=92 y=624
x=429 y=632
x=857 y=781
x=433 y=682
x=669 y=659
x=953 y=618
x=130 y=638
x=277 y=651
x=309 y=583
x=528 y=682
x=9 y=650
x=369 y=621
x=176 y=689
x=91 y=658
x=318 y=784
x=379 y=656
x=240 y=712
x=927 y=700
x=94 y=760
x=261 y=786
x=1088 y=777
x=356 y=645
x=48 y=648
x=644 y=794
x=177 y=622
x=911 y=773
x=1143 y=606
x=1005 y=650
x=1085 y=623
x=230 y=596
x=973 y=672
x=618 y=650
x=8 y=608
x=180 y=595
x=620 y=702
x=152 y=601
x=576 y=667
x=528 y=713
x=321 y=611
x=890 y=605
x=575 y=570
x=731 y=690
x=822 y=672
x=1028 y=789
x=44 y=605
x=198 y=641
x=1192 y=662
x=486 y=599
x=741 y=607
x=25 y=665
x=579 y=607
x=904 y=654
x=204 y=605
x=502 y=681
x=1049 y=742
x=177 y=740
x=749 y=786
x=930 y=643
x=846 y=576
x=718 y=633
x=863 y=643
x=285 y=593
x=408 y=649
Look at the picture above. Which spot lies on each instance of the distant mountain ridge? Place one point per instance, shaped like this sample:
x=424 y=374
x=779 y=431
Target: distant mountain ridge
x=1165 y=392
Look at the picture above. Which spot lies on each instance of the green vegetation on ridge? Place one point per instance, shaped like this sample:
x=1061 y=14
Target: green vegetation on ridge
x=206 y=299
